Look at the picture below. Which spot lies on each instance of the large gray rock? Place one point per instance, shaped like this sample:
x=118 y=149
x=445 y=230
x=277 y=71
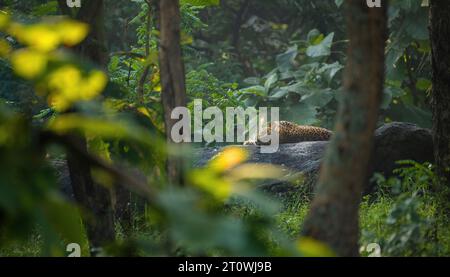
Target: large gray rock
x=400 y=141
x=393 y=142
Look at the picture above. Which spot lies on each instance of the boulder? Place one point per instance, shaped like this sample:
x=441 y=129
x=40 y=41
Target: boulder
x=393 y=142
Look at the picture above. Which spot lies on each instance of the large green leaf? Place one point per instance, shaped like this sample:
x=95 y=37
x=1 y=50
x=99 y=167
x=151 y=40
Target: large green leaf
x=255 y=90
x=317 y=98
x=271 y=80
x=286 y=59
x=279 y=93
x=322 y=49
x=330 y=70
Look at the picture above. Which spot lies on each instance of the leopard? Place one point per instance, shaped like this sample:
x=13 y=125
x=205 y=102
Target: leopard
x=290 y=132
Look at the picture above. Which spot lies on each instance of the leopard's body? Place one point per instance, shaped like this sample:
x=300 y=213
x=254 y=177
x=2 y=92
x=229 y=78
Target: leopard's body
x=292 y=133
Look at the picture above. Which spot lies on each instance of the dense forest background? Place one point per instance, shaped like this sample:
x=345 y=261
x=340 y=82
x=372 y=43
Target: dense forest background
x=87 y=90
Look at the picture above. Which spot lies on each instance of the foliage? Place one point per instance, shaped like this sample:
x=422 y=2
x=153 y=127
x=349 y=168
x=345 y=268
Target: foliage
x=201 y=84
x=286 y=53
x=304 y=82
x=408 y=69
x=413 y=223
x=194 y=225
x=28 y=195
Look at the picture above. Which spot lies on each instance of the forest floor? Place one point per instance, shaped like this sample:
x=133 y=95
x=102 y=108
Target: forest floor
x=401 y=226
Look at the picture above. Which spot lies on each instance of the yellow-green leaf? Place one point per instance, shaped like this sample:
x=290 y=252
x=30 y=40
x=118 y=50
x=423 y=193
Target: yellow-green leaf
x=312 y=248
x=28 y=63
x=228 y=159
x=5 y=48
x=4 y=20
x=72 y=32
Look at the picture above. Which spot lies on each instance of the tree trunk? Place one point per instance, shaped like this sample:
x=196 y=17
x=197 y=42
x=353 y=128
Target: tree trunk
x=92 y=197
x=172 y=75
x=440 y=48
x=333 y=217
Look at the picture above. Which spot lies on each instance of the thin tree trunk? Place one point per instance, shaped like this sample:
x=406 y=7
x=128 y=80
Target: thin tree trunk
x=172 y=75
x=440 y=48
x=333 y=217
x=93 y=197
x=240 y=16
x=143 y=78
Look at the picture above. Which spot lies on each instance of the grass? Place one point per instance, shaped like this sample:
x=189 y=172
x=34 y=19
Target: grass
x=405 y=225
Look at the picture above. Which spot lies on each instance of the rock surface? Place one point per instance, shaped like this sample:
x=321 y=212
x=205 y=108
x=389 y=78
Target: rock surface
x=393 y=142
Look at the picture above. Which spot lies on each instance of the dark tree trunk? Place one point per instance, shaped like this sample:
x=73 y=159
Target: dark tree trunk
x=93 y=198
x=333 y=218
x=172 y=75
x=440 y=47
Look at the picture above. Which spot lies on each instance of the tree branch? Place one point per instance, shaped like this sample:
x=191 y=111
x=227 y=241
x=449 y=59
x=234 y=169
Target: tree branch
x=127 y=180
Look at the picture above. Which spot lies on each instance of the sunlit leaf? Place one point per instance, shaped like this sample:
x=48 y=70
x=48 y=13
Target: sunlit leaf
x=67 y=85
x=423 y=84
x=93 y=85
x=186 y=39
x=313 y=248
x=208 y=181
x=4 y=20
x=105 y=128
x=28 y=63
x=72 y=32
x=229 y=158
x=40 y=37
x=256 y=171
x=321 y=49
x=5 y=49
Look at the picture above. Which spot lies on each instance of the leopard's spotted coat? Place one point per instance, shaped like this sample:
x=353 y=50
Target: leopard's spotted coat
x=292 y=133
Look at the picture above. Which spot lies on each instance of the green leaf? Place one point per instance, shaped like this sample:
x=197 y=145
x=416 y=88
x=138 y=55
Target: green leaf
x=45 y=9
x=286 y=60
x=299 y=88
x=253 y=81
x=279 y=93
x=330 y=70
x=339 y=3
x=271 y=80
x=204 y=3
x=322 y=49
x=255 y=90
x=314 y=37
x=318 y=98
x=423 y=84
